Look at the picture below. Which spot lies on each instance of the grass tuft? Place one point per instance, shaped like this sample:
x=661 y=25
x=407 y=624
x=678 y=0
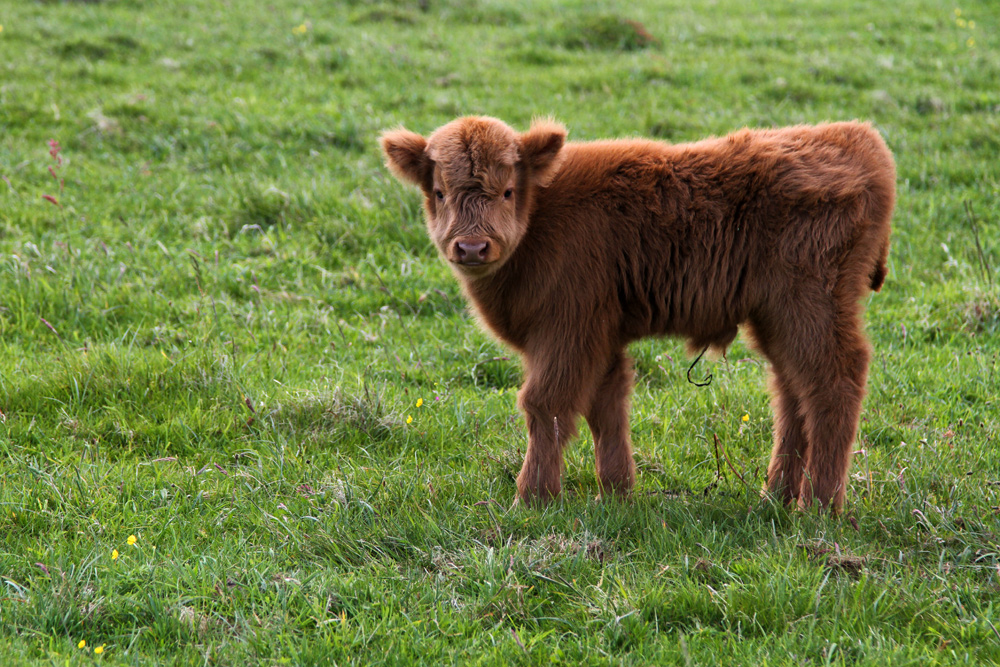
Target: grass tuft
x=605 y=32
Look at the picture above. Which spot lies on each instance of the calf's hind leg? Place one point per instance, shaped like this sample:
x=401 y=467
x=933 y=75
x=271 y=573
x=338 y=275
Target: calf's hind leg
x=826 y=356
x=788 y=454
x=784 y=473
x=608 y=420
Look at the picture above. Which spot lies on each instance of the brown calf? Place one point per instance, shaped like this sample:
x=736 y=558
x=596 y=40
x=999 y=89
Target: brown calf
x=570 y=251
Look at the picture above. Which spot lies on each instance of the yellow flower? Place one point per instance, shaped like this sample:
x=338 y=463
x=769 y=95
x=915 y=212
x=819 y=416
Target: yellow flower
x=970 y=43
x=961 y=23
x=99 y=649
x=420 y=402
x=958 y=12
x=301 y=29
x=131 y=540
x=409 y=419
x=114 y=554
x=746 y=418
x=82 y=644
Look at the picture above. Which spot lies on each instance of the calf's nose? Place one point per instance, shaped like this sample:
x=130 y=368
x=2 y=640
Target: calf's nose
x=472 y=252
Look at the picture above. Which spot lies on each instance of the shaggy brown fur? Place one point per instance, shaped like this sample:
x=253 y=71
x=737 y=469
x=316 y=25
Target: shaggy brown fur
x=570 y=251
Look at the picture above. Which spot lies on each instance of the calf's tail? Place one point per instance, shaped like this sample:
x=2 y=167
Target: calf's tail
x=880 y=269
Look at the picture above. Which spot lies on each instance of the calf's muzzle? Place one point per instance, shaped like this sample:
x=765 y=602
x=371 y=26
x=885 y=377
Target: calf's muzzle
x=471 y=251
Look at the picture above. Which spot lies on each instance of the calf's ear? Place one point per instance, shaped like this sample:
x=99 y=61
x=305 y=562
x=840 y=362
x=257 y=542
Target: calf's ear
x=406 y=155
x=540 y=149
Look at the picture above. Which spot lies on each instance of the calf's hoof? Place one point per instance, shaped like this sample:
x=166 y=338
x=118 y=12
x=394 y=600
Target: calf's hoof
x=538 y=485
x=533 y=497
x=620 y=487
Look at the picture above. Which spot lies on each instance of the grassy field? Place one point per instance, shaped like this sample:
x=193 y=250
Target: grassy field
x=224 y=333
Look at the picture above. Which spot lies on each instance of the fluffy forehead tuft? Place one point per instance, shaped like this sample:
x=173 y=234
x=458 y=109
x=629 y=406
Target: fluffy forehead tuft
x=474 y=149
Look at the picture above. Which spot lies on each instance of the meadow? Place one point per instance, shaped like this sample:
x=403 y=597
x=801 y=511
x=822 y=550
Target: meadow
x=247 y=419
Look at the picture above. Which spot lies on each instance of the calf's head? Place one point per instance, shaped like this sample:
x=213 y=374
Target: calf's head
x=479 y=178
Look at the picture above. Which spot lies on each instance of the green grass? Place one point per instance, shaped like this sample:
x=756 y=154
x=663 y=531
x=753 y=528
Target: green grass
x=217 y=339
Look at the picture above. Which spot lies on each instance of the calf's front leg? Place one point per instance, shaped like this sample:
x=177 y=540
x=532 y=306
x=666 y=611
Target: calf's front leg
x=608 y=420
x=552 y=398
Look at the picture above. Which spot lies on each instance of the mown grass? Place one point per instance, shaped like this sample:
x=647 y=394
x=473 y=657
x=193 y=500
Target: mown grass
x=217 y=336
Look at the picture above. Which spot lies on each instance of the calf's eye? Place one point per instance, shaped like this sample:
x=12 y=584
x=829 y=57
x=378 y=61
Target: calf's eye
x=439 y=195
x=507 y=193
